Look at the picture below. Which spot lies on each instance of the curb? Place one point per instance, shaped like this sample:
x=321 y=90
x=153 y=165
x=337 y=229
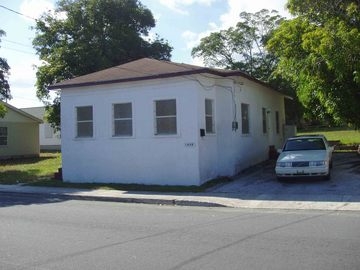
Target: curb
x=156 y=201
x=343 y=203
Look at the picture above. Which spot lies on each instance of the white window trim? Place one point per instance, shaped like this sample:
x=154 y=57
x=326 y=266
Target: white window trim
x=156 y=117
x=76 y=137
x=212 y=116
x=113 y=119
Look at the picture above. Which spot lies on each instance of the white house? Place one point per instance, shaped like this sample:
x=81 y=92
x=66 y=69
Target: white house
x=49 y=138
x=19 y=134
x=158 y=122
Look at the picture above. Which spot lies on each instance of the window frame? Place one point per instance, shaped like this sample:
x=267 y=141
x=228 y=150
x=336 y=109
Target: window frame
x=246 y=120
x=264 y=121
x=122 y=119
x=212 y=116
x=6 y=136
x=84 y=121
x=156 y=117
x=277 y=122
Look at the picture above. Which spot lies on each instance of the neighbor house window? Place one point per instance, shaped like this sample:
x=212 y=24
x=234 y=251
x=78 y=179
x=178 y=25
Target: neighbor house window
x=277 y=121
x=123 y=125
x=165 y=117
x=245 y=126
x=84 y=122
x=264 y=126
x=209 y=116
x=3 y=135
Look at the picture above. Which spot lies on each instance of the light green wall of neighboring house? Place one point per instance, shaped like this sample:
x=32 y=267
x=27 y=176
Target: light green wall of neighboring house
x=22 y=139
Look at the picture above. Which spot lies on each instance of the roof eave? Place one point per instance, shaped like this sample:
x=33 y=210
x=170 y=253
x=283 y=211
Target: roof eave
x=22 y=112
x=150 y=77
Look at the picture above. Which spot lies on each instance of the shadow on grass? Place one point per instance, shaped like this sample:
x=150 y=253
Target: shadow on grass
x=11 y=177
x=26 y=161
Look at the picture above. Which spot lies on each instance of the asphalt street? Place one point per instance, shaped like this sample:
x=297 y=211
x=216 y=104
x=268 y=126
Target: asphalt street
x=38 y=233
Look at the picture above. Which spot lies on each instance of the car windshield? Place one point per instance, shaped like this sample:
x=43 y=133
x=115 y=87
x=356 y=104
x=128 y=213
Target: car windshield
x=304 y=144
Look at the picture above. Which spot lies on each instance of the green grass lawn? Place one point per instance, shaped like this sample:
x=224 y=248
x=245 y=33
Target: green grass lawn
x=29 y=170
x=347 y=137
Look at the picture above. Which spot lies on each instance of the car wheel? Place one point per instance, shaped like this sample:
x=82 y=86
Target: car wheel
x=281 y=178
x=328 y=176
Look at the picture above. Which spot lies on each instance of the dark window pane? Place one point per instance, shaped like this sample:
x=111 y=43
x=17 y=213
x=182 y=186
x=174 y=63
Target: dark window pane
x=85 y=129
x=208 y=107
x=277 y=122
x=264 y=120
x=166 y=125
x=245 y=119
x=84 y=113
x=3 y=131
x=3 y=140
x=122 y=110
x=3 y=135
x=209 y=124
x=166 y=107
x=123 y=128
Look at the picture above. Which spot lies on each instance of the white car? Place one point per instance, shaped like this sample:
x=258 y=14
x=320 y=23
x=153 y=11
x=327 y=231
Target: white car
x=305 y=156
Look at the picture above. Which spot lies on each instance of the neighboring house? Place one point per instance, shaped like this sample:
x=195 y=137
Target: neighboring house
x=49 y=138
x=19 y=134
x=158 y=122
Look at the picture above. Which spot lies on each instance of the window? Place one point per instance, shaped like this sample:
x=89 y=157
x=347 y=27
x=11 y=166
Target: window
x=277 y=121
x=209 y=116
x=165 y=117
x=245 y=127
x=3 y=135
x=84 y=122
x=264 y=120
x=122 y=114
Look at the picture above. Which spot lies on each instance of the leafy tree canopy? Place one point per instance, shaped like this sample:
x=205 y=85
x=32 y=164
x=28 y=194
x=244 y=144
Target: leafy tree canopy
x=242 y=47
x=4 y=85
x=85 y=36
x=319 y=52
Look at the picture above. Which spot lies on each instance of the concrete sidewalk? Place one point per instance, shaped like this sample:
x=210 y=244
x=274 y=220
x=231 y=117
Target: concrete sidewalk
x=209 y=199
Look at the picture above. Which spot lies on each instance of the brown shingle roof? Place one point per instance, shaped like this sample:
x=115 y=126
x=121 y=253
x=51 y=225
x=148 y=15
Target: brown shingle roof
x=144 y=69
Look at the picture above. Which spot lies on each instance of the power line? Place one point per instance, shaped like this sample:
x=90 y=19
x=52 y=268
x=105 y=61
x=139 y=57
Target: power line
x=17 y=43
x=16 y=12
x=7 y=48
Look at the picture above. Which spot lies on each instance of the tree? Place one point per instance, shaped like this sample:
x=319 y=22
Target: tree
x=242 y=47
x=4 y=85
x=319 y=52
x=85 y=36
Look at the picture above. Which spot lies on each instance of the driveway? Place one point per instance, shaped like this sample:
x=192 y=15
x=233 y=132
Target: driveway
x=261 y=182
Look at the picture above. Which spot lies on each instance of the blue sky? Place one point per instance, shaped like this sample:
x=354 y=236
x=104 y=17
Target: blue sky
x=182 y=22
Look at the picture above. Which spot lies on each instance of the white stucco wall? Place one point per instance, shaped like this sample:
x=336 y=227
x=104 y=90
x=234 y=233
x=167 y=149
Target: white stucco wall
x=231 y=151
x=145 y=158
x=182 y=159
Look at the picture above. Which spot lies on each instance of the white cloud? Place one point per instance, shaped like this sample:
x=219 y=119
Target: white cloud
x=35 y=8
x=179 y=5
